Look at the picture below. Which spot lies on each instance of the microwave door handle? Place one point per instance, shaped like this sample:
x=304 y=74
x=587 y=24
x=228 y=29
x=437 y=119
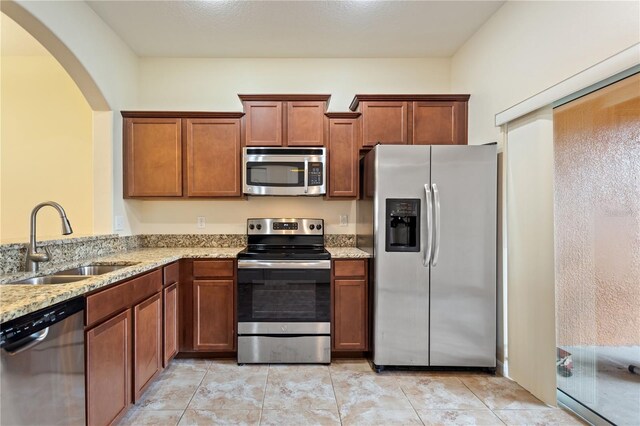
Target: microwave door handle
x=306 y=175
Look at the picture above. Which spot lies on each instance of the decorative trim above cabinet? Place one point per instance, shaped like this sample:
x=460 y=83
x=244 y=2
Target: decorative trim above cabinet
x=181 y=114
x=407 y=98
x=285 y=97
x=344 y=115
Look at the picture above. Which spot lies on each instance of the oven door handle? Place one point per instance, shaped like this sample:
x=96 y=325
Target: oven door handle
x=284 y=264
x=306 y=175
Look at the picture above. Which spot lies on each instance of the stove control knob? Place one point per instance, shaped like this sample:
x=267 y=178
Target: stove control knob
x=312 y=227
x=319 y=227
x=251 y=226
x=258 y=227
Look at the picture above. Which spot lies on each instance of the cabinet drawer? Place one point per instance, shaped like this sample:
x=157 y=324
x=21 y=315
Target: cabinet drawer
x=145 y=286
x=171 y=273
x=349 y=268
x=107 y=302
x=213 y=268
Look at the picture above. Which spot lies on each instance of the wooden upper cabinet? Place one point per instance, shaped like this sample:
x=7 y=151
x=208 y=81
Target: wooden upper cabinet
x=412 y=119
x=384 y=122
x=439 y=123
x=152 y=157
x=263 y=121
x=305 y=123
x=284 y=120
x=343 y=148
x=213 y=148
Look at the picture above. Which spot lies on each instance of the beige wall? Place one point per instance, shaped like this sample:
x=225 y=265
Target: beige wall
x=214 y=84
x=46 y=148
x=528 y=46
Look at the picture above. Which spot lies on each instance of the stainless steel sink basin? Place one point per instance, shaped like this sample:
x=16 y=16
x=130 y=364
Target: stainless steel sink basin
x=92 y=269
x=50 y=279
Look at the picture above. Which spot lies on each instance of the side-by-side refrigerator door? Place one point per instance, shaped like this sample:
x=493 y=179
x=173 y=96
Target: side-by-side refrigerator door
x=400 y=276
x=463 y=264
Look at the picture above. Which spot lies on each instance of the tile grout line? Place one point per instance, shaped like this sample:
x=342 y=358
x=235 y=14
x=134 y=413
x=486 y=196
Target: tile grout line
x=481 y=400
x=410 y=403
x=335 y=397
x=194 y=393
x=264 y=393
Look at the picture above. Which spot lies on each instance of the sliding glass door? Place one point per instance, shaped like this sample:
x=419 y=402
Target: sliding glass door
x=597 y=239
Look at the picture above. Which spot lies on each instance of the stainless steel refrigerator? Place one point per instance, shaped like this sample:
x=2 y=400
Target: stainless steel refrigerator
x=427 y=215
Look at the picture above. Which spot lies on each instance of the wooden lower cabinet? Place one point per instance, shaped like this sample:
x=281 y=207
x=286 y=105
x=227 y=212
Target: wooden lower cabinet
x=170 y=347
x=350 y=306
x=147 y=343
x=213 y=315
x=108 y=369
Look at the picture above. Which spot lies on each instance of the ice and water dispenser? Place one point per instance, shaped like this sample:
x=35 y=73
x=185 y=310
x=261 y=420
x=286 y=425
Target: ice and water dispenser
x=402 y=224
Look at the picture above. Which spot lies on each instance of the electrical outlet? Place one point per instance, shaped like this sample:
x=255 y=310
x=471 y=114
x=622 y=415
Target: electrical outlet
x=344 y=220
x=118 y=223
x=200 y=222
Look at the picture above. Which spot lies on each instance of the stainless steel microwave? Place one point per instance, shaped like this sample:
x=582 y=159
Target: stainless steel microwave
x=284 y=171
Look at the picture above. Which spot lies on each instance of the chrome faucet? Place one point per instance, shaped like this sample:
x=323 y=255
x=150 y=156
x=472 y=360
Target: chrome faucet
x=33 y=257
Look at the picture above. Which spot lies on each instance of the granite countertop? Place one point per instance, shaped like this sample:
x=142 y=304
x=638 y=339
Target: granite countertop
x=18 y=300
x=347 y=253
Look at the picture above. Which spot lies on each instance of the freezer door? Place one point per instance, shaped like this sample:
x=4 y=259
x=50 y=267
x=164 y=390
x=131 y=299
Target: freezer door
x=463 y=271
x=400 y=278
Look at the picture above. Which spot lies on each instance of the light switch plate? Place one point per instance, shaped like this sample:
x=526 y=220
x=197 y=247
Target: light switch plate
x=344 y=220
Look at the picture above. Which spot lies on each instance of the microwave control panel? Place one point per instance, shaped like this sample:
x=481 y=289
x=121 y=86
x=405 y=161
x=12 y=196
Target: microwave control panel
x=315 y=174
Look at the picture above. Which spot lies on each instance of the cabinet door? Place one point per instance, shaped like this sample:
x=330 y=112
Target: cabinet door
x=344 y=144
x=214 y=315
x=384 y=122
x=213 y=157
x=108 y=370
x=152 y=157
x=439 y=123
x=147 y=343
x=305 y=123
x=350 y=315
x=170 y=299
x=263 y=123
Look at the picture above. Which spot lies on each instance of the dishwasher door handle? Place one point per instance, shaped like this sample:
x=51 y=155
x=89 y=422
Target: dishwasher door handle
x=26 y=343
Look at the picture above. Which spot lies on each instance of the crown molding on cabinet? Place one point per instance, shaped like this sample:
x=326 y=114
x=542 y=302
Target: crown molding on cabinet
x=180 y=114
x=285 y=97
x=406 y=98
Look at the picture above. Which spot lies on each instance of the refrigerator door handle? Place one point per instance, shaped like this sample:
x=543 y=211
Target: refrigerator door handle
x=429 y=244
x=436 y=214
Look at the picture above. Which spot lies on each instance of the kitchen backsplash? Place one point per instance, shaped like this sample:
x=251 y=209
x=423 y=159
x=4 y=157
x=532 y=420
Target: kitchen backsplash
x=75 y=249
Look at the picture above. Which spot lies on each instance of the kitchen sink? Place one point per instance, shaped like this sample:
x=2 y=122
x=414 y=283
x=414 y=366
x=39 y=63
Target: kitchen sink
x=93 y=269
x=50 y=279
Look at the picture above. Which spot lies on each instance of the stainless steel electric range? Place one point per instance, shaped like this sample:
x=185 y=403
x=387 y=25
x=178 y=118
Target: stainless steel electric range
x=284 y=293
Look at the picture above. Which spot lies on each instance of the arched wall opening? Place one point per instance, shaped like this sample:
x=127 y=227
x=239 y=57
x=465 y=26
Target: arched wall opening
x=54 y=124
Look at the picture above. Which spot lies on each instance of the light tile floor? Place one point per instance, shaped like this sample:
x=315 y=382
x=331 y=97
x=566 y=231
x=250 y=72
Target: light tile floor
x=204 y=392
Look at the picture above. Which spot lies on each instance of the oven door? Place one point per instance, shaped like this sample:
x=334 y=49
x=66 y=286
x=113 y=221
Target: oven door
x=292 y=294
x=270 y=174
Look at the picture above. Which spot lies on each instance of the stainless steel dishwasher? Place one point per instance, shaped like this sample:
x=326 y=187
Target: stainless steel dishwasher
x=42 y=373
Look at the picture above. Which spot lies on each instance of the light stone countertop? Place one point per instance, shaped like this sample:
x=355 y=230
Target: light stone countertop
x=347 y=253
x=18 y=300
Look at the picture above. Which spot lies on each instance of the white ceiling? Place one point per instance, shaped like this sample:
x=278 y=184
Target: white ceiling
x=295 y=29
